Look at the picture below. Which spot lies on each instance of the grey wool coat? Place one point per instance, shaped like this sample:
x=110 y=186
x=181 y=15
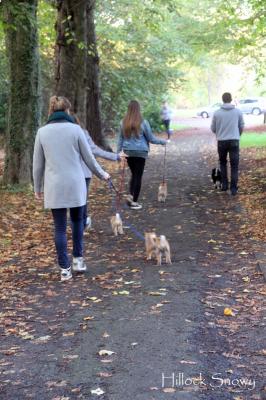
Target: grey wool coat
x=57 y=170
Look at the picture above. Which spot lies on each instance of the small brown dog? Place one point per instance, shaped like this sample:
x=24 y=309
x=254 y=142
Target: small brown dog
x=117 y=224
x=150 y=244
x=157 y=247
x=162 y=192
x=163 y=249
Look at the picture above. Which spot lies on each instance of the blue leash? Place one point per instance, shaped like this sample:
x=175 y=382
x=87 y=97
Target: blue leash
x=131 y=227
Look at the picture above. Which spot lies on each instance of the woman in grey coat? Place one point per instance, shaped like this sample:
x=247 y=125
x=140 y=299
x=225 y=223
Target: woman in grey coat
x=60 y=146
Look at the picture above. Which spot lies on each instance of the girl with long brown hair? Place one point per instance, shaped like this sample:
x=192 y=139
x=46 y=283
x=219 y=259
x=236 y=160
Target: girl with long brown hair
x=135 y=137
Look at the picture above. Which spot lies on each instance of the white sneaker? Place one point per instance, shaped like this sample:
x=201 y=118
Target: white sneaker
x=66 y=274
x=79 y=264
x=135 y=206
x=88 y=223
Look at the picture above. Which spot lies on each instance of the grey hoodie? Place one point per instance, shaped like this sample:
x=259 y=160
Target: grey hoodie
x=97 y=152
x=227 y=122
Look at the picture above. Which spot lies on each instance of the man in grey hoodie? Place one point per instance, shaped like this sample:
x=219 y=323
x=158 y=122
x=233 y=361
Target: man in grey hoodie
x=228 y=125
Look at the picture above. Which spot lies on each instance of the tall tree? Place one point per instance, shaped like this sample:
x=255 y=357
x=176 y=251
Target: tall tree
x=23 y=107
x=93 y=117
x=77 y=61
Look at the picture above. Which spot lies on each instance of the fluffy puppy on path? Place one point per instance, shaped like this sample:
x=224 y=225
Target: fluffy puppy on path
x=157 y=247
x=163 y=249
x=162 y=192
x=117 y=224
x=151 y=245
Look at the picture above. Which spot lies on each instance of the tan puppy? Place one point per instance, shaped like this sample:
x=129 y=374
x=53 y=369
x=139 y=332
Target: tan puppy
x=150 y=244
x=163 y=249
x=162 y=192
x=117 y=224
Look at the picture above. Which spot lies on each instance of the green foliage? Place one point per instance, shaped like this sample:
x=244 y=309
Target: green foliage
x=152 y=114
x=17 y=188
x=236 y=30
x=253 y=139
x=140 y=56
x=46 y=27
x=150 y=48
x=3 y=81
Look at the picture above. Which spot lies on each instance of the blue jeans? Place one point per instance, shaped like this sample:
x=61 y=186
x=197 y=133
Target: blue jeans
x=85 y=208
x=60 y=234
x=230 y=147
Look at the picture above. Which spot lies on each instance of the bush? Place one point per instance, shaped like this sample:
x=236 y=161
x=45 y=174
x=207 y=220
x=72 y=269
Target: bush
x=152 y=114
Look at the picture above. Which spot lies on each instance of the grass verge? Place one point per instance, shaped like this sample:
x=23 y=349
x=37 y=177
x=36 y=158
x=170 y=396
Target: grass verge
x=253 y=139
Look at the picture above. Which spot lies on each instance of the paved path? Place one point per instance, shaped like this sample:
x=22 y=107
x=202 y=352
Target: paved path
x=159 y=321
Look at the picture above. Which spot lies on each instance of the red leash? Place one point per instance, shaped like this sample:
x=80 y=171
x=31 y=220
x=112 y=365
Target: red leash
x=121 y=187
x=164 y=164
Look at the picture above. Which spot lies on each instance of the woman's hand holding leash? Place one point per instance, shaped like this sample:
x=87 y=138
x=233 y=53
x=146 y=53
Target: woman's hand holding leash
x=106 y=176
x=122 y=156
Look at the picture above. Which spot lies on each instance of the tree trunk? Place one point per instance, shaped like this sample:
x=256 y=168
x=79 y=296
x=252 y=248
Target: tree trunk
x=24 y=98
x=93 y=120
x=77 y=62
x=71 y=54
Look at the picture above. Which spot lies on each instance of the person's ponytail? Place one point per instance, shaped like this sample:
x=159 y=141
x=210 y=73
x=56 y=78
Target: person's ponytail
x=58 y=103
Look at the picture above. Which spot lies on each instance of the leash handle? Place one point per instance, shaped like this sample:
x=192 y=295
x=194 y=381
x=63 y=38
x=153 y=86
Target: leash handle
x=164 y=164
x=112 y=186
x=118 y=197
x=122 y=184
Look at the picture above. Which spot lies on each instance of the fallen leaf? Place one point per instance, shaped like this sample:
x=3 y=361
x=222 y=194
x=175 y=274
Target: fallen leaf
x=228 y=312
x=71 y=357
x=156 y=294
x=169 y=390
x=105 y=374
x=42 y=339
x=106 y=352
x=188 y=362
x=97 y=391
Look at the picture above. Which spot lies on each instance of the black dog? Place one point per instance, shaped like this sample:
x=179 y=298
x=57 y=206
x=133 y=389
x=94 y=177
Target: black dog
x=217 y=178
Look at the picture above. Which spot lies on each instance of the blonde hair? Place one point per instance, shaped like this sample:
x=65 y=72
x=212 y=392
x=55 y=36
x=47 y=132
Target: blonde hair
x=132 y=120
x=58 y=103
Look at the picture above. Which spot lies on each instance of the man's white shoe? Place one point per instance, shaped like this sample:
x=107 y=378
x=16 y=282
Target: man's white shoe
x=79 y=264
x=66 y=274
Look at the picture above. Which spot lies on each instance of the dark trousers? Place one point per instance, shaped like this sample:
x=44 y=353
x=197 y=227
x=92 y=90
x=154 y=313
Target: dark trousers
x=230 y=147
x=60 y=234
x=136 y=165
x=85 y=208
x=166 y=123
